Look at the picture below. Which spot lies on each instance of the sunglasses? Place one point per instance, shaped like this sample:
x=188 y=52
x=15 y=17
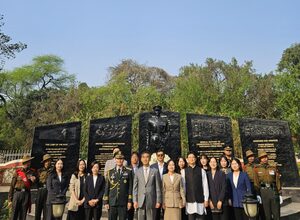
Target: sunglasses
x=160 y=155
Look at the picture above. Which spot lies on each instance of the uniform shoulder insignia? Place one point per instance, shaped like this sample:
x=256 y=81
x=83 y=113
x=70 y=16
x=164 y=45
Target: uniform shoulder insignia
x=128 y=168
x=110 y=169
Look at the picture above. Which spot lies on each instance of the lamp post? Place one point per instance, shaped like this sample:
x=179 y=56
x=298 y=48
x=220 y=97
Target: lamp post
x=58 y=206
x=250 y=205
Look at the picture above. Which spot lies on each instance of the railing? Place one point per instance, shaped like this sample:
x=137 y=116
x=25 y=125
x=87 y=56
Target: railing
x=9 y=155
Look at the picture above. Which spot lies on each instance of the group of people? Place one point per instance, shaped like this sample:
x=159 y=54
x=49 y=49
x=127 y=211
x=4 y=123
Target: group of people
x=187 y=188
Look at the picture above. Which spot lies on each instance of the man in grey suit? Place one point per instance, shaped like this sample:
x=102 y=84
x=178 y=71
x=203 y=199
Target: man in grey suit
x=147 y=196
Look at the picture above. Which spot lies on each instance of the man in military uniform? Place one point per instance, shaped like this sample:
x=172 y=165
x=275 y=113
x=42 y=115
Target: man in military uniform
x=228 y=154
x=249 y=167
x=110 y=164
x=268 y=183
x=19 y=193
x=118 y=190
x=40 y=205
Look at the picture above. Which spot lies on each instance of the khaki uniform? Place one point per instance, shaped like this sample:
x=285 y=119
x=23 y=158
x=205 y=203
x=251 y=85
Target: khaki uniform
x=269 y=187
x=19 y=195
x=40 y=205
x=249 y=169
x=118 y=192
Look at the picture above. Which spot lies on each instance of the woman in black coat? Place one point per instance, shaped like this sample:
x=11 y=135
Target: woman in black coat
x=93 y=193
x=57 y=184
x=217 y=190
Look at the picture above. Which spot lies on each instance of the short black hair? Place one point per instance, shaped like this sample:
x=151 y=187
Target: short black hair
x=216 y=159
x=192 y=152
x=176 y=167
x=145 y=152
x=238 y=162
x=94 y=163
x=160 y=150
x=135 y=153
x=225 y=158
x=203 y=155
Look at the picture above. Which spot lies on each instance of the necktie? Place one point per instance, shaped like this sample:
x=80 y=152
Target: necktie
x=119 y=172
x=146 y=174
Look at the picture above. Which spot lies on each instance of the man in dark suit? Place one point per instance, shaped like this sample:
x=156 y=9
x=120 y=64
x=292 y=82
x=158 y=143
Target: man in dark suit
x=161 y=166
x=147 y=196
x=134 y=165
x=118 y=190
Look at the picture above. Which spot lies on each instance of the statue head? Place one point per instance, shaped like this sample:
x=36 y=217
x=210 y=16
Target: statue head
x=157 y=110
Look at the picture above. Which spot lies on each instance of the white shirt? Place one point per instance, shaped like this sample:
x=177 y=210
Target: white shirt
x=95 y=180
x=199 y=208
x=161 y=169
x=119 y=168
x=59 y=177
x=235 y=179
x=183 y=179
x=134 y=168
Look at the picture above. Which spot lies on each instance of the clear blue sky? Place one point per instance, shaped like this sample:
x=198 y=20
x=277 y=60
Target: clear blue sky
x=94 y=35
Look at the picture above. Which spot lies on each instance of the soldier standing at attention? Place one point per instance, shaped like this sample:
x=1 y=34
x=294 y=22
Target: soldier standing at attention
x=110 y=164
x=228 y=154
x=269 y=187
x=43 y=173
x=19 y=193
x=249 y=168
x=118 y=190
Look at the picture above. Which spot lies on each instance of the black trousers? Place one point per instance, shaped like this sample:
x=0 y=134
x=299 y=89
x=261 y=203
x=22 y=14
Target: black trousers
x=20 y=205
x=130 y=213
x=117 y=211
x=239 y=214
x=78 y=215
x=40 y=204
x=208 y=215
x=195 y=217
x=224 y=215
x=184 y=216
x=159 y=213
x=93 y=213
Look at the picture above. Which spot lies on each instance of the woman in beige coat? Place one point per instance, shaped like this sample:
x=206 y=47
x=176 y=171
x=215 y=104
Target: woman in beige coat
x=75 y=207
x=173 y=193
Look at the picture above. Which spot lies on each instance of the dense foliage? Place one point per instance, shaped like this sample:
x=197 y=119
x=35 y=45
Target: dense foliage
x=42 y=92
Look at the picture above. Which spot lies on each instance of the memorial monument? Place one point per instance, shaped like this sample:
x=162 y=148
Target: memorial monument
x=209 y=134
x=274 y=137
x=107 y=133
x=61 y=141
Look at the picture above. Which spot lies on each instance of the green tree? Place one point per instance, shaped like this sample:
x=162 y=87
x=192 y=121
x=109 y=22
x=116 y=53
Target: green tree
x=288 y=88
x=20 y=91
x=138 y=75
x=45 y=73
x=8 y=49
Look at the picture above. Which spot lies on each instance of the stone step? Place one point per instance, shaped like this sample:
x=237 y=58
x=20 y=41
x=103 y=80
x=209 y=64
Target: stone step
x=286 y=200
x=290 y=211
x=30 y=216
x=294 y=192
